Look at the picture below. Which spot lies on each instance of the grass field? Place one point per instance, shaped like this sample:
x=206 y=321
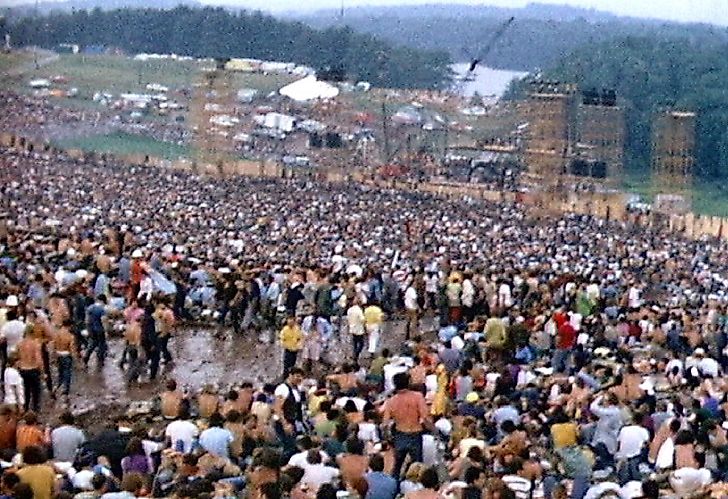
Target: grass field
x=115 y=75
x=124 y=143
x=8 y=61
x=708 y=198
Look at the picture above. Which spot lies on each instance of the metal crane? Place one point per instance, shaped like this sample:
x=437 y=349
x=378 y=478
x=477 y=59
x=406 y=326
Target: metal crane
x=483 y=54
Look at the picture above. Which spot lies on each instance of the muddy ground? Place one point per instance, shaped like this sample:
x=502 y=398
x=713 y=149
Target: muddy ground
x=202 y=355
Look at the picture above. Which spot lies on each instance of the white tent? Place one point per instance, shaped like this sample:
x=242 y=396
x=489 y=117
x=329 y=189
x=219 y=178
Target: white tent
x=309 y=88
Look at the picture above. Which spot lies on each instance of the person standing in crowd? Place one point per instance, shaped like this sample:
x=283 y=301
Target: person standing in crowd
x=355 y=319
x=565 y=343
x=409 y=415
x=467 y=297
x=150 y=340
x=64 y=345
x=95 y=325
x=11 y=333
x=289 y=400
x=291 y=338
x=30 y=365
x=412 y=309
x=164 y=321
x=41 y=329
x=13 y=385
x=373 y=319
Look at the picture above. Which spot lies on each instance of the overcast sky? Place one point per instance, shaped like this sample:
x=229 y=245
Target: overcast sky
x=713 y=11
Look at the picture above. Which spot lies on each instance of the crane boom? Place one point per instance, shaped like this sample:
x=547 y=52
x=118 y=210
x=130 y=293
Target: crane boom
x=496 y=36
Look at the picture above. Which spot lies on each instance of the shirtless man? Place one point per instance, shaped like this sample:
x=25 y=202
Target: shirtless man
x=64 y=345
x=164 y=319
x=43 y=331
x=30 y=363
x=171 y=400
x=133 y=337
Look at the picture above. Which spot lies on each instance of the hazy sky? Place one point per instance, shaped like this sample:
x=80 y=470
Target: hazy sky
x=714 y=11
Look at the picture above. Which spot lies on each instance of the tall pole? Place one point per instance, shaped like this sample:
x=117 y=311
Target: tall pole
x=35 y=45
x=385 y=131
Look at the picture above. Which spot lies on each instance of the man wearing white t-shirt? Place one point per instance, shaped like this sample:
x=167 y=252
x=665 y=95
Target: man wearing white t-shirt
x=289 y=400
x=300 y=459
x=593 y=291
x=12 y=331
x=634 y=297
x=316 y=473
x=182 y=432
x=707 y=365
x=504 y=296
x=467 y=298
x=631 y=441
x=14 y=392
x=575 y=319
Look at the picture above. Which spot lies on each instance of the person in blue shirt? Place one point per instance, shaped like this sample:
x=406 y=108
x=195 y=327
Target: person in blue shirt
x=37 y=292
x=379 y=484
x=124 y=270
x=101 y=287
x=216 y=440
x=95 y=314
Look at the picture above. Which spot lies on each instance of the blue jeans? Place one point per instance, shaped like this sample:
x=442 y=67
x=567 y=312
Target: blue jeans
x=629 y=470
x=98 y=344
x=164 y=348
x=289 y=361
x=406 y=444
x=358 y=340
x=560 y=360
x=65 y=369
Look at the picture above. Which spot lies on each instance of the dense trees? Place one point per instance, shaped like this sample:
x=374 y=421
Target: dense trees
x=540 y=36
x=216 y=32
x=651 y=74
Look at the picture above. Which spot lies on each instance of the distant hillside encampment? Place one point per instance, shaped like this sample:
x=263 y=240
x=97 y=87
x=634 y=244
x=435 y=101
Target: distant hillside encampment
x=220 y=33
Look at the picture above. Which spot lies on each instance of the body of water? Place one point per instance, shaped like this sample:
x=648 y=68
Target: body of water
x=487 y=81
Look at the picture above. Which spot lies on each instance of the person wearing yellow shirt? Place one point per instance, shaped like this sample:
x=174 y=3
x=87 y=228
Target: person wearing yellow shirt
x=291 y=338
x=373 y=318
x=39 y=476
x=564 y=432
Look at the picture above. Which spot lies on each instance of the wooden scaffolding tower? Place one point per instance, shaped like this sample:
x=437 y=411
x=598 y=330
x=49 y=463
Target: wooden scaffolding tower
x=213 y=101
x=673 y=160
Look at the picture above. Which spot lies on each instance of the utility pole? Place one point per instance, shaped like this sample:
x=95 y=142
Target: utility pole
x=385 y=130
x=35 y=45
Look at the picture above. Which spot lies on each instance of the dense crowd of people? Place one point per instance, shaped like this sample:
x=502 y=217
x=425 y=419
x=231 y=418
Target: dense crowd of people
x=569 y=357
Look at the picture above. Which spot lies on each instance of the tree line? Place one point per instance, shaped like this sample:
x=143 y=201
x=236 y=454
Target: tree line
x=537 y=39
x=219 y=33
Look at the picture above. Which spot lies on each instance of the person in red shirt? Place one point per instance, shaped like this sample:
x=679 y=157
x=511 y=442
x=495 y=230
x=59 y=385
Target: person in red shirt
x=137 y=273
x=560 y=317
x=634 y=330
x=565 y=343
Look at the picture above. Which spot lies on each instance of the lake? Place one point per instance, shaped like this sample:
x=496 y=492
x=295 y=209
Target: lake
x=488 y=81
